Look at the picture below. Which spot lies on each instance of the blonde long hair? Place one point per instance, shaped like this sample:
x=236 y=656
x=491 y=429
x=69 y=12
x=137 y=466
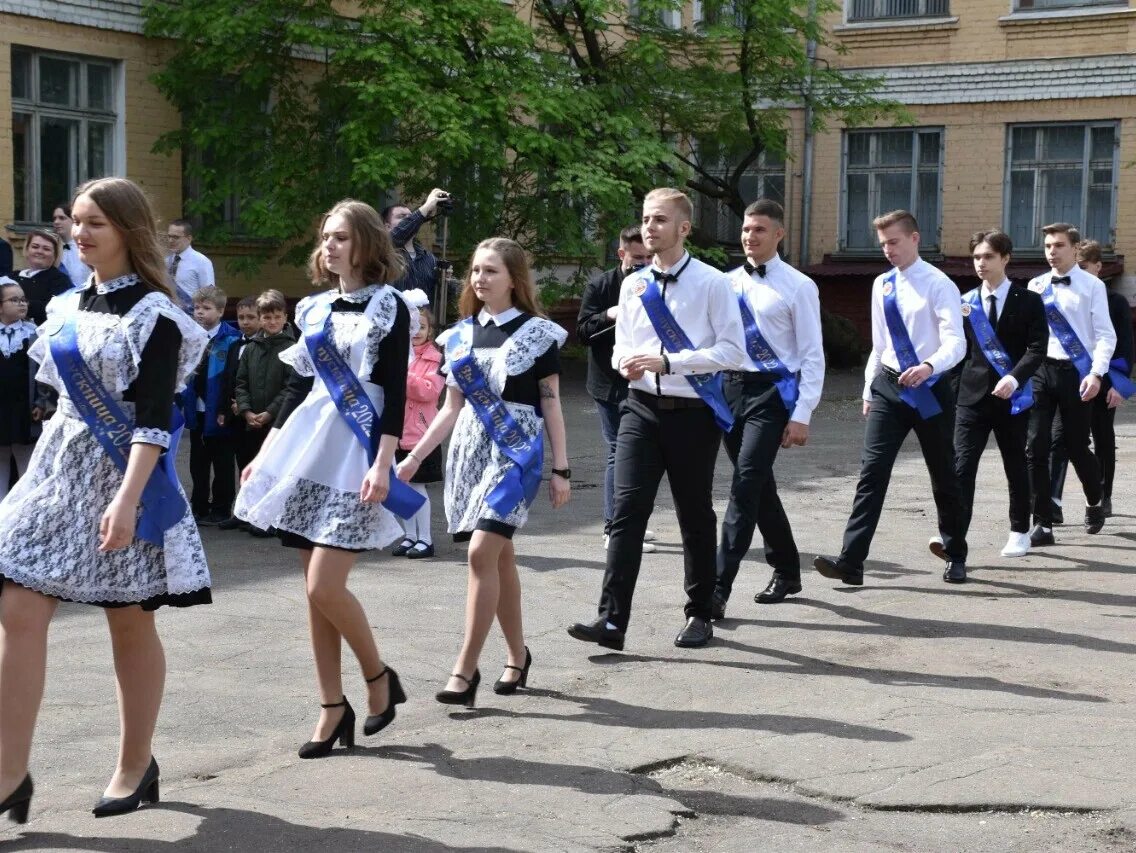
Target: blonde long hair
x=516 y=261
x=128 y=209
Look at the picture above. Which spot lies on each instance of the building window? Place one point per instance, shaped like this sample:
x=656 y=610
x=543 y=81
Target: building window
x=764 y=179
x=887 y=170
x=1042 y=5
x=887 y=10
x=710 y=13
x=63 y=127
x=654 y=17
x=1061 y=173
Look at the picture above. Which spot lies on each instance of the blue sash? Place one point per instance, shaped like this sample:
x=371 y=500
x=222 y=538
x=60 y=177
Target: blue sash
x=522 y=480
x=921 y=399
x=708 y=386
x=1118 y=372
x=352 y=402
x=1068 y=339
x=764 y=357
x=995 y=353
x=162 y=503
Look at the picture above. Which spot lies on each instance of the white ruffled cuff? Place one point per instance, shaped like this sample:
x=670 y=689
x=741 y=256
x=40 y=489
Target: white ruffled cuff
x=150 y=435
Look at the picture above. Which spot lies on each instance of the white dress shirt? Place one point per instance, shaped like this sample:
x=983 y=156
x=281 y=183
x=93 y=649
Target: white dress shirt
x=76 y=270
x=1000 y=293
x=194 y=271
x=1084 y=303
x=786 y=305
x=703 y=303
x=931 y=308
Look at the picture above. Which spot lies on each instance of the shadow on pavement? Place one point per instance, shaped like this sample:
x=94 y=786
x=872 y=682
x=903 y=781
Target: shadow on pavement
x=978 y=587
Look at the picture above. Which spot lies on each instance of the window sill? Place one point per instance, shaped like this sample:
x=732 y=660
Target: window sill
x=950 y=23
x=875 y=256
x=1063 y=15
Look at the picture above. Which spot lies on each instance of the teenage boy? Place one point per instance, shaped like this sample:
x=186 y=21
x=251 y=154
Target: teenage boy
x=1006 y=339
x=772 y=398
x=248 y=322
x=1080 y=347
x=917 y=337
x=1115 y=389
x=677 y=326
x=211 y=445
x=595 y=329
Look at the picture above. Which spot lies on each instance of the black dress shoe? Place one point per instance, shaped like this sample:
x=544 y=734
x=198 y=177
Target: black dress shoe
x=402 y=547
x=597 y=632
x=718 y=608
x=19 y=801
x=839 y=570
x=955 y=572
x=1094 y=519
x=778 y=588
x=344 y=732
x=230 y=523
x=1106 y=505
x=417 y=553
x=1057 y=516
x=696 y=633
x=147 y=790
x=1040 y=536
x=259 y=532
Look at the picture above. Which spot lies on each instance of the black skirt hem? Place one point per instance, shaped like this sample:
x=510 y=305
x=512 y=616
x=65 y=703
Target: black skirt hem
x=167 y=599
x=487 y=525
x=294 y=540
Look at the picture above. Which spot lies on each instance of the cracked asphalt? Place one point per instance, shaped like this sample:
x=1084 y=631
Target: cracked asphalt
x=907 y=715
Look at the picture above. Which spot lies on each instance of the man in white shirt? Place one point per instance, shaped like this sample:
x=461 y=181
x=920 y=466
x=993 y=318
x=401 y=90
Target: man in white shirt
x=69 y=261
x=917 y=336
x=676 y=413
x=772 y=397
x=189 y=269
x=1081 y=341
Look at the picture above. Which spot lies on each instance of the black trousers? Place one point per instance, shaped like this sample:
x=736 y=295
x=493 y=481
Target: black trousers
x=760 y=417
x=889 y=422
x=1056 y=389
x=973 y=425
x=1102 y=428
x=212 y=454
x=246 y=444
x=681 y=443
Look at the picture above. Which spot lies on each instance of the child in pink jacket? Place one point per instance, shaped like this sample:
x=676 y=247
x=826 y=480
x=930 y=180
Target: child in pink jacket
x=424 y=386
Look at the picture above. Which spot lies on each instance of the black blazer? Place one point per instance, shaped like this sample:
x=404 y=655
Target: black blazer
x=40 y=288
x=595 y=331
x=1024 y=333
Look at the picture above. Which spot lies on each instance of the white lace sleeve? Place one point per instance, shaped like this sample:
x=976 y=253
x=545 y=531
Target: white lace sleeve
x=382 y=311
x=138 y=324
x=150 y=435
x=526 y=345
x=296 y=356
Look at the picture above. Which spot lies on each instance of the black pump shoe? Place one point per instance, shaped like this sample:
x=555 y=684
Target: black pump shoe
x=467 y=697
x=344 y=732
x=507 y=688
x=375 y=723
x=147 y=790
x=19 y=801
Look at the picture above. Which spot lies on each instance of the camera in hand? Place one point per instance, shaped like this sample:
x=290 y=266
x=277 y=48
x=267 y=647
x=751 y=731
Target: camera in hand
x=446 y=205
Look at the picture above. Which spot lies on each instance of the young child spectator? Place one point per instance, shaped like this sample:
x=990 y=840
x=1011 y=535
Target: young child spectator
x=248 y=321
x=21 y=407
x=262 y=378
x=424 y=385
x=211 y=445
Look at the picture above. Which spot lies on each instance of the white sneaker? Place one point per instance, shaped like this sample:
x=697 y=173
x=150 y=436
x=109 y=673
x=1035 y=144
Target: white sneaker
x=648 y=547
x=1017 y=545
x=649 y=536
x=606 y=540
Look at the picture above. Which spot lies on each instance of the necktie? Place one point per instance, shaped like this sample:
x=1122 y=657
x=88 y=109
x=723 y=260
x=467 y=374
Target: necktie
x=1061 y=279
x=174 y=266
x=992 y=311
x=751 y=269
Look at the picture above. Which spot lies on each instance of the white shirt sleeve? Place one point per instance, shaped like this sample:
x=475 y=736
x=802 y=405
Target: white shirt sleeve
x=952 y=340
x=727 y=352
x=810 y=346
x=879 y=339
x=1103 y=332
x=623 y=337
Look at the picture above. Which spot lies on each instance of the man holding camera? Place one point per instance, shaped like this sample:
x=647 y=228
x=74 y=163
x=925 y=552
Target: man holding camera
x=403 y=224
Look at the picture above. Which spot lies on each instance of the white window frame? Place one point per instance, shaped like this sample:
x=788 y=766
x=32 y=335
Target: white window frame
x=1044 y=6
x=929 y=241
x=1086 y=183
x=698 y=13
x=926 y=9
x=83 y=114
x=671 y=18
x=727 y=228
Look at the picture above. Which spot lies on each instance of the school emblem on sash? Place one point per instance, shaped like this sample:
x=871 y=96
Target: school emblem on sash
x=639 y=288
x=889 y=286
x=966 y=309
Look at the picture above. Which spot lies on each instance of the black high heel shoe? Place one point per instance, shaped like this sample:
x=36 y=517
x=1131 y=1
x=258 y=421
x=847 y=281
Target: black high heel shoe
x=19 y=801
x=465 y=697
x=377 y=722
x=507 y=688
x=344 y=732
x=147 y=790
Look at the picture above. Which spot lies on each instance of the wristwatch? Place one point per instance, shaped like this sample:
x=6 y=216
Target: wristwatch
x=566 y=473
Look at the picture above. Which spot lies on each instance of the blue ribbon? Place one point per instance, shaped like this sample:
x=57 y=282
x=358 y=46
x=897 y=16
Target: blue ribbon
x=353 y=405
x=708 y=386
x=1068 y=339
x=522 y=479
x=1118 y=370
x=921 y=399
x=764 y=357
x=995 y=353
x=162 y=503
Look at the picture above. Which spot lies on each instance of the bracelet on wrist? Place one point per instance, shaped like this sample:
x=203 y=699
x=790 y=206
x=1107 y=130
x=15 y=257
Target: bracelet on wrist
x=413 y=456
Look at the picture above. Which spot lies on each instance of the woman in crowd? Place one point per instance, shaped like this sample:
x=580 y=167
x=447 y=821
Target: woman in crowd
x=42 y=278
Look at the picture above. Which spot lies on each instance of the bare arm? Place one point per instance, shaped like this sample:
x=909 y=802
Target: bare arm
x=559 y=489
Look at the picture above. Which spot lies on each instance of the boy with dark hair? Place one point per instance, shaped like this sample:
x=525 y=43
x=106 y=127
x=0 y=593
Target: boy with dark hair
x=248 y=321
x=211 y=444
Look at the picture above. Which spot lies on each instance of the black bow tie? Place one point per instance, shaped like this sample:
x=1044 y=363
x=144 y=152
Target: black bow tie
x=751 y=269
x=1061 y=279
x=664 y=277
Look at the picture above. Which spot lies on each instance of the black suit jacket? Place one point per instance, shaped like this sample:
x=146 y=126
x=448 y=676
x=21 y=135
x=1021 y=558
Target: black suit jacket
x=1024 y=333
x=595 y=331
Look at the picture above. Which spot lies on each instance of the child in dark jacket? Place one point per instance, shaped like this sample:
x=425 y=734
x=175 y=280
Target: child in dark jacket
x=248 y=321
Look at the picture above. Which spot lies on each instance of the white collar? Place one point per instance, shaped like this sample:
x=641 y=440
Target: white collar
x=363 y=294
x=212 y=333
x=675 y=269
x=770 y=265
x=21 y=331
x=998 y=292
x=120 y=283
x=29 y=273
x=484 y=318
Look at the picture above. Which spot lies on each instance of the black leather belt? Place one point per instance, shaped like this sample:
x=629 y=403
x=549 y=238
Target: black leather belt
x=1063 y=363
x=751 y=377
x=666 y=404
x=893 y=375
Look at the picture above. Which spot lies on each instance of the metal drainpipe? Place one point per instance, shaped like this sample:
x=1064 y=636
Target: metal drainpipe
x=807 y=161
